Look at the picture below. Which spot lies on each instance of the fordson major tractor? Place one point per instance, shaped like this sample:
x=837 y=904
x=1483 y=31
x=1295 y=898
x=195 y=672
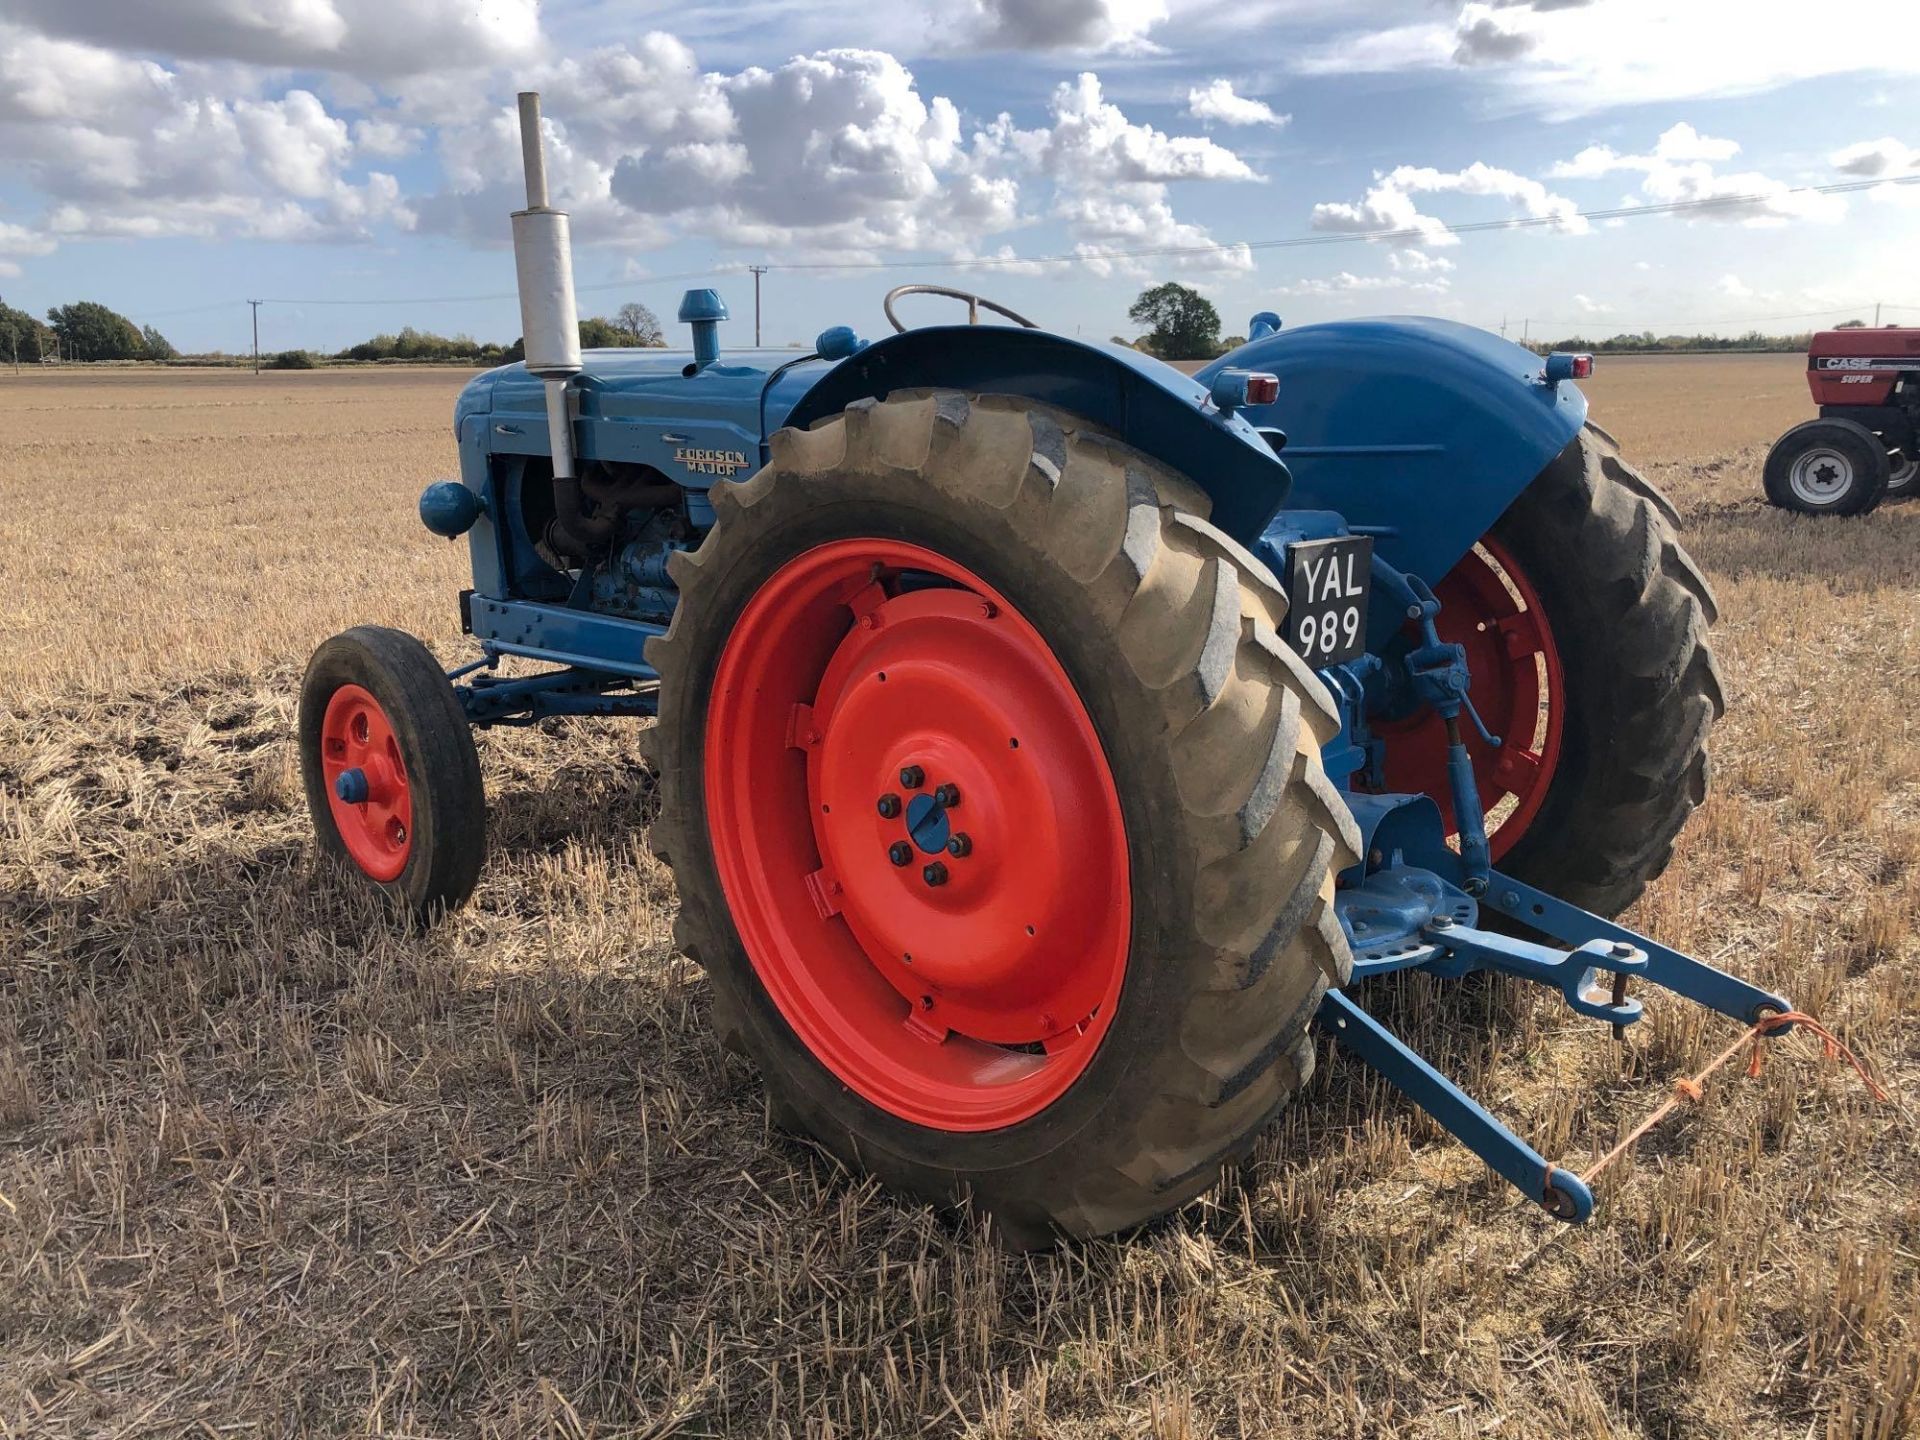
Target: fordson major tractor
x=1047 y=741
x=1865 y=447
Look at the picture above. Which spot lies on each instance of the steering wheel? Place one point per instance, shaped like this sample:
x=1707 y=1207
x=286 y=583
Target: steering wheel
x=974 y=302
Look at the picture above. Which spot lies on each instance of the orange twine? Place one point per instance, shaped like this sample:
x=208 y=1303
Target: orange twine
x=1693 y=1089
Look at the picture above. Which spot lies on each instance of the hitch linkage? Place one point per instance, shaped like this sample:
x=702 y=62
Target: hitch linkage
x=1413 y=903
x=1587 y=974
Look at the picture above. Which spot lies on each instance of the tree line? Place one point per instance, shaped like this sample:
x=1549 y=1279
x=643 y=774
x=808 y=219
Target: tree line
x=87 y=330
x=83 y=330
x=1182 y=325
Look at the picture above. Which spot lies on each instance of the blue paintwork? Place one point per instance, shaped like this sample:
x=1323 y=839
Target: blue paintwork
x=1465 y=1118
x=703 y=310
x=1426 y=428
x=1150 y=405
x=449 y=508
x=927 y=823
x=1418 y=433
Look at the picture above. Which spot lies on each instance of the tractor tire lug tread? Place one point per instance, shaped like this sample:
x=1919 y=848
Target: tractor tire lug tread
x=1631 y=613
x=1108 y=552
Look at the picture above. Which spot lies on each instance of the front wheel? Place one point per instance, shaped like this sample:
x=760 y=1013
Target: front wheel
x=996 y=809
x=391 y=774
x=1828 y=467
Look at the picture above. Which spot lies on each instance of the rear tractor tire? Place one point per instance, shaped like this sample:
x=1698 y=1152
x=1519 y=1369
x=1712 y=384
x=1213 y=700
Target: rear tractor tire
x=1828 y=467
x=1585 y=625
x=996 y=809
x=391 y=773
x=1903 y=478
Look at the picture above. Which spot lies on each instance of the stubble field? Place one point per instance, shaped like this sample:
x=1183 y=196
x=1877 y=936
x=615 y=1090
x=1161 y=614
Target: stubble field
x=269 y=1166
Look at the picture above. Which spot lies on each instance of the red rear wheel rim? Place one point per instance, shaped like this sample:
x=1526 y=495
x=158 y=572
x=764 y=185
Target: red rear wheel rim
x=360 y=755
x=1490 y=606
x=968 y=1004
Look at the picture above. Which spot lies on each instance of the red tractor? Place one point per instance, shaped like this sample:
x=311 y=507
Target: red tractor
x=1862 y=449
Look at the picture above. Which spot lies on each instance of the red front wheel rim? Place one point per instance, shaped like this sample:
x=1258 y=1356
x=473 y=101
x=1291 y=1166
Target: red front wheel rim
x=1489 y=605
x=917 y=834
x=366 y=778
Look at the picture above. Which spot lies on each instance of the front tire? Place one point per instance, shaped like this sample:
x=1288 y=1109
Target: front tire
x=1828 y=467
x=391 y=774
x=878 y=612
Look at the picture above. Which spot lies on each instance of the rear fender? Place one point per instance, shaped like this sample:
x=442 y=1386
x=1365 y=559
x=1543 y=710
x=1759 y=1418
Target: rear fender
x=1149 y=405
x=1421 y=431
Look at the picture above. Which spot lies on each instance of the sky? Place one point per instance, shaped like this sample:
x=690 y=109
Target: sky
x=353 y=162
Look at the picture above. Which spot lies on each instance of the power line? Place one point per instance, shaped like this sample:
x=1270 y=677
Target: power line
x=1348 y=237
x=1342 y=237
x=1591 y=321
x=401 y=300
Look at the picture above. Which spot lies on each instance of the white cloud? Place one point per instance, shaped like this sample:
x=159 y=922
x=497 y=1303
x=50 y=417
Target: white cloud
x=1873 y=158
x=1347 y=283
x=1680 y=170
x=1084 y=25
x=377 y=136
x=126 y=147
x=364 y=37
x=833 y=156
x=1483 y=36
x=1569 y=59
x=1389 y=205
x=1589 y=306
x=1734 y=288
x=1216 y=100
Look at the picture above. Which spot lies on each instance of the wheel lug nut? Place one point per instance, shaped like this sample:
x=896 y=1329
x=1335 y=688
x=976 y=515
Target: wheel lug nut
x=900 y=852
x=960 y=846
x=947 y=796
x=889 y=806
x=934 y=874
x=912 y=777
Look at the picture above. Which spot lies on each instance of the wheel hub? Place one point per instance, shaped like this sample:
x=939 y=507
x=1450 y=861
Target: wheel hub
x=367 y=790
x=959 y=835
x=1488 y=605
x=1821 y=476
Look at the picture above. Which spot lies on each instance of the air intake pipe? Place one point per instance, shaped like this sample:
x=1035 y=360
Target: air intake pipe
x=549 y=318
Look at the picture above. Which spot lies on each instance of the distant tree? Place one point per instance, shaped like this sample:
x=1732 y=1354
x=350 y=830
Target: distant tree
x=292 y=360
x=1185 y=324
x=639 y=325
x=1851 y=325
x=21 y=336
x=599 y=333
x=90 y=331
x=158 y=347
x=424 y=345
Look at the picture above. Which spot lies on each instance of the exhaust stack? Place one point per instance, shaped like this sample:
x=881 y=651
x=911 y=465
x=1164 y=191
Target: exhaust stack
x=543 y=265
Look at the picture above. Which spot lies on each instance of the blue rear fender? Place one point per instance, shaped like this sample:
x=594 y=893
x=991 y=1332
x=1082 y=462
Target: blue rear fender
x=1148 y=404
x=1422 y=430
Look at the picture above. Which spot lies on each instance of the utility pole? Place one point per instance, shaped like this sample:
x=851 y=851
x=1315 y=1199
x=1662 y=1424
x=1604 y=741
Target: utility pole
x=758 y=271
x=1876 y=314
x=256 y=335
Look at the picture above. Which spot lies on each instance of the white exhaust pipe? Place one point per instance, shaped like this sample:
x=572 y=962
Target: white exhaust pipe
x=543 y=264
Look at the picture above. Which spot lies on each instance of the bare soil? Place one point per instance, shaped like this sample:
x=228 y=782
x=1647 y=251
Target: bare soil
x=270 y=1166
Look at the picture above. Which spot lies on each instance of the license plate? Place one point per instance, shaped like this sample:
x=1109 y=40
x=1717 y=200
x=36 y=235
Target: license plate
x=1327 y=583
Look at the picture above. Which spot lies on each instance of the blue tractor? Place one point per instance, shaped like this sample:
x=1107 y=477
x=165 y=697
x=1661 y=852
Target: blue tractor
x=1046 y=740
